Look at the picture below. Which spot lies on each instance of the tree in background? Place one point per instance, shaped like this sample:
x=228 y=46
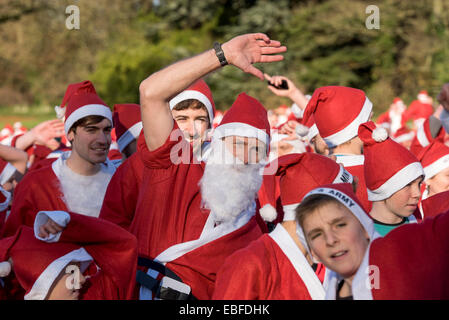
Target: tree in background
x=121 y=42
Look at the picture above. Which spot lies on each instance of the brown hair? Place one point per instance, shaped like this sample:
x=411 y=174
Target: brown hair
x=190 y=104
x=86 y=121
x=311 y=204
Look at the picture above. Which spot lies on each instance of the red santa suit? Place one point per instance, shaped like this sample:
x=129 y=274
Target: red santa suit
x=170 y=224
x=105 y=251
x=391 y=268
x=273 y=262
x=43 y=189
x=266 y=270
x=419 y=110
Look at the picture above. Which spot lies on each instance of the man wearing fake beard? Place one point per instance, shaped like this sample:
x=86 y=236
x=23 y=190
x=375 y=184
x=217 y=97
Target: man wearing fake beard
x=190 y=215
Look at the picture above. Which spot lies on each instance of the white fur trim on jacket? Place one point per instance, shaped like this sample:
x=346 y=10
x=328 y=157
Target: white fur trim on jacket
x=62 y=218
x=299 y=262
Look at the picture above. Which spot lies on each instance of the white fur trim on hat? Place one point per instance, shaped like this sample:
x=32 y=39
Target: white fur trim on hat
x=46 y=279
x=5 y=269
x=379 y=134
x=243 y=130
x=268 y=213
x=60 y=112
x=87 y=110
x=351 y=130
x=348 y=202
x=193 y=94
x=434 y=168
x=398 y=181
x=129 y=135
x=313 y=131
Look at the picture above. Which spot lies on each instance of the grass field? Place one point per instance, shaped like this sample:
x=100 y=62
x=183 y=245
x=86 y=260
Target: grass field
x=29 y=116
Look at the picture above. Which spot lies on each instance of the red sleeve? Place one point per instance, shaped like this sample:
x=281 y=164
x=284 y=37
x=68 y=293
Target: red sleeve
x=174 y=151
x=120 y=200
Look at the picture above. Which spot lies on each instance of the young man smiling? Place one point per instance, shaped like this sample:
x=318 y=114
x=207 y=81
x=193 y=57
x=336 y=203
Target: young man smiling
x=76 y=181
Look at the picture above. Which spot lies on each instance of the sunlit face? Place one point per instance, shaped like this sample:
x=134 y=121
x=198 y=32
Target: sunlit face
x=405 y=201
x=247 y=150
x=439 y=182
x=92 y=142
x=336 y=238
x=193 y=123
x=65 y=288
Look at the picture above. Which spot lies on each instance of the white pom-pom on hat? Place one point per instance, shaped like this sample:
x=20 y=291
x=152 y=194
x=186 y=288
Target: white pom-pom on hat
x=301 y=130
x=60 y=112
x=5 y=269
x=380 y=134
x=268 y=213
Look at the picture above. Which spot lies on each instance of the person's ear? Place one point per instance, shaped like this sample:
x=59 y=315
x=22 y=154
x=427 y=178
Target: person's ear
x=71 y=136
x=314 y=256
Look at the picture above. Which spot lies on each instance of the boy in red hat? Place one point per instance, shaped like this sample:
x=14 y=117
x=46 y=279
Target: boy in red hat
x=77 y=180
x=338 y=112
x=190 y=216
x=410 y=263
x=393 y=179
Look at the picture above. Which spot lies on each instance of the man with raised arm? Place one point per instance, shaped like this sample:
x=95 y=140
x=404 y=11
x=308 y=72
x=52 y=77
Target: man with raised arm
x=191 y=216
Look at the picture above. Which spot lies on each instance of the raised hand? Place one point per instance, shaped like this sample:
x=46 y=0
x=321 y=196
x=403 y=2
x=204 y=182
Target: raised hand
x=48 y=130
x=277 y=80
x=245 y=50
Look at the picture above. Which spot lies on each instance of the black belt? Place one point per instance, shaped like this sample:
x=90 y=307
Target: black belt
x=161 y=292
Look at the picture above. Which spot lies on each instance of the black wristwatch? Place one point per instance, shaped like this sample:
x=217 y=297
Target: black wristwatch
x=220 y=54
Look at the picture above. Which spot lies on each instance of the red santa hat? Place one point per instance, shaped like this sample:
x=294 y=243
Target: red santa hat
x=388 y=166
x=424 y=136
x=199 y=91
x=434 y=158
x=38 y=264
x=127 y=123
x=403 y=134
x=396 y=100
x=81 y=100
x=311 y=170
x=338 y=112
x=247 y=117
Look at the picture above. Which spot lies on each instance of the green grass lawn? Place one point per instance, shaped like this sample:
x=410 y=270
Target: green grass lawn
x=30 y=116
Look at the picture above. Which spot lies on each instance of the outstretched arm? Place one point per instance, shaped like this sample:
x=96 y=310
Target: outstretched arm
x=157 y=90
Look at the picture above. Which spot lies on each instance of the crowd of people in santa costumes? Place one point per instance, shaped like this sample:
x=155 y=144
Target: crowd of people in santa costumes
x=171 y=199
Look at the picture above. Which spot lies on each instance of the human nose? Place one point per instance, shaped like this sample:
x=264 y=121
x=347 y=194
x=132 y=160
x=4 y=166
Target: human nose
x=330 y=237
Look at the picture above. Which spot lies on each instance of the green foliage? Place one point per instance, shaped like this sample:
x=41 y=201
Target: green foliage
x=120 y=43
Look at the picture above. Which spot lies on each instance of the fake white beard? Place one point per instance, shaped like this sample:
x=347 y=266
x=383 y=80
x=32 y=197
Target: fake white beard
x=228 y=187
x=84 y=194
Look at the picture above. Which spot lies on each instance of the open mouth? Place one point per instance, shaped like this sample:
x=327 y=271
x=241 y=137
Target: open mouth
x=339 y=254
